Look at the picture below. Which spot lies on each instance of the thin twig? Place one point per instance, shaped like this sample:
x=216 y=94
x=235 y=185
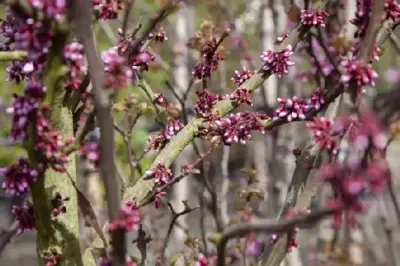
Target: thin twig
x=125 y=20
x=6 y=235
x=175 y=216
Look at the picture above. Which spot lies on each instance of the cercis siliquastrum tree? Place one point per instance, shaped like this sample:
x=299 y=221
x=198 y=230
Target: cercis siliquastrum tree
x=49 y=43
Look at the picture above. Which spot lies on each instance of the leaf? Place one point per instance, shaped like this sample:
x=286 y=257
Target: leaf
x=186 y=204
x=174 y=258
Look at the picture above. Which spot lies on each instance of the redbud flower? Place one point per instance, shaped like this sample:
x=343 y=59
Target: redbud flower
x=278 y=62
x=90 y=150
x=24 y=109
x=159 y=99
x=281 y=38
x=362 y=18
x=317 y=99
x=375 y=52
x=392 y=8
x=314 y=17
x=142 y=60
x=241 y=76
x=25 y=216
x=18 y=177
x=160 y=140
x=160 y=35
x=107 y=9
x=75 y=59
x=129 y=218
x=206 y=102
x=107 y=261
x=117 y=73
x=237 y=127
x=358 y=72
x=291 y=109
x=57 y=202
x=35 y=89
x=52 y=9
x=52 y=257
x=204 y=69
x=241 y=95
x=323 y=133
x=161 y=174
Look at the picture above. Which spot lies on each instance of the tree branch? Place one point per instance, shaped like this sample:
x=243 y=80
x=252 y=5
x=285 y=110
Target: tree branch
x=13 y=55
x=102 y=104
x=267 y=227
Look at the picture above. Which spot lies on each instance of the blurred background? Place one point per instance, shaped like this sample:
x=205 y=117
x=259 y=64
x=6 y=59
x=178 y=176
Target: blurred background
x=255 y=26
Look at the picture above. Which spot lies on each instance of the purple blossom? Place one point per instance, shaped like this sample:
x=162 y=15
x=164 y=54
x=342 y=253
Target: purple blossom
x=161 y=174
x=52 y=9
x=25 y=216
x=161 y=139
x=362 y=17
x=107 y=261
x=142 y=61
x=129 y=218
x=241 y=95
x=58 y=205
x=118 y=74
x=291 y=109
x=313 y=17
x=278 y=62
x=107 y=9
x=241 y=76
x=75 y=59
x=356 y=50
x=24 y=109
x=358 y=72
x=90 y=151
x=317 y=99
x=210 y=60
x=206 y=102
x=392 y=8
x=18 y=177
x=237 y=127
x=52 y=257
x=35 y=89
x=50 y=145
x=160 y=35
x=324 y=134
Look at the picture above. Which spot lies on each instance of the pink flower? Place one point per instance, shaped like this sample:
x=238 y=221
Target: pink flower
x=117 y=73
x=241 y=76
x=323 y=133
x=18 y=177
x=314 y=17
x=161 y=174
x=278 y=62
x=358 y=72
x=25 y=216
x=291 y=109
x=241 y=95
x=129 y=218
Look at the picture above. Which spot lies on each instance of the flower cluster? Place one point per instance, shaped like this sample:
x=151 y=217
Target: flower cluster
x=210 y=61
x=161 y=139
x=142 y=60
x=313 y=17
x=161 y=174
x=90 y=151
x=52 y=257
x=324 y=133
x=50 y=146
x=52 y=9
x=237 y=127
x=317 y=99
x=241 y=76
x=117 y=73
x=159 y=99
x=24 y=110
x=206 y=102
x=107 y=9
x=25 y=216
x=18 y=177
x=278 y=62
x=160 y=35
x=57 y=203
x=352 y=177
x=359 y=73
x=291 y=109
x=241 y=95
x=74 y=57
x=129 y=218
x=362 y=17
x=392 y=8
x=356 y=50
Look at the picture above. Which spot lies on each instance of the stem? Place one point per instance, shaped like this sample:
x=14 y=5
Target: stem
x=13 y=55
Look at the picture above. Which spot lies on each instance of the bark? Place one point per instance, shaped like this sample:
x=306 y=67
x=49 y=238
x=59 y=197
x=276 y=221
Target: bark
x=63 y=232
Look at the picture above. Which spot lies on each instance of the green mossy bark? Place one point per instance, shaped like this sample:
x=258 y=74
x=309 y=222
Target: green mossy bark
x=61 y=233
